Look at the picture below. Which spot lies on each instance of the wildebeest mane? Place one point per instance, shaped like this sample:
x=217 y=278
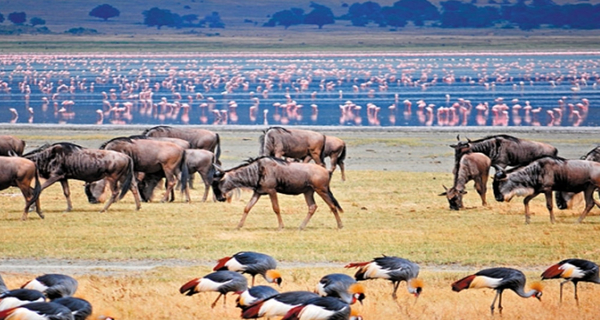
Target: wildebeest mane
x=121 y=139
x=593 y=155
x=138 y=137
x=66 y=147
x=157 y=128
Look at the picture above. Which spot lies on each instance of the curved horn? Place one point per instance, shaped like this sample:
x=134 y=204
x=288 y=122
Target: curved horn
x=458 y=137
x=468 y=140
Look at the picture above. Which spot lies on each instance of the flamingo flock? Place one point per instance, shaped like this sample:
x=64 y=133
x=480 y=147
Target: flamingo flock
x=356 y=90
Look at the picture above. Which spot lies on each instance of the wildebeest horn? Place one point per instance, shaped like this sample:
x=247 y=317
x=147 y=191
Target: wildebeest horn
x=445 y=192
x=468 y=140
x=458 y=137
x=445 y=187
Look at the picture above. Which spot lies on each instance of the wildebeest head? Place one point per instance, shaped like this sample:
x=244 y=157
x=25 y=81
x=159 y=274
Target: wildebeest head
x=562 y=199
x=217 y=182
x=500 y=178
x=95 y=191
x=454 y=197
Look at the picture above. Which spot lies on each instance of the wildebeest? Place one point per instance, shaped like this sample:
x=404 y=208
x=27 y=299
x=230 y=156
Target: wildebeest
x=20 y=172
x=546 y=175
x=198 y=138
x=563 y=198
x=504 y=150
x=197 y=160
x=473 y=166
x=268 y=175
x=10 y=145
x=335 y=149
x=281 y=142
x=152 y=156
x=64 y=160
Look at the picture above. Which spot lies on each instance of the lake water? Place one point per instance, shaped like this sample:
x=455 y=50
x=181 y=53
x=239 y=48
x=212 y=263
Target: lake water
x=484 y=89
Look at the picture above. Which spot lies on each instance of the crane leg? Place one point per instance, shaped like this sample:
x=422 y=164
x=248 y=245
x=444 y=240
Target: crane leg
x=561 y=288
x=500 y=303
x=576 y=297
x=494 y=302
x=396 y=284
x=215 y=302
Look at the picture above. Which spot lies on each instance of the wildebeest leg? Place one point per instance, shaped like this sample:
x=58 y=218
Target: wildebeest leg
x=27 y=191
x=325 y=195
x=170 y=184
x=136 y=194
x=249 y=206
x=343 y=170
x=481 y=189
x=114 y=193
x=548 y=195
x=333 y=161
x=312 y=207
x=275 y=204
x=206 y=186
x=526 y=203
x=67 y=192
x=589 y=203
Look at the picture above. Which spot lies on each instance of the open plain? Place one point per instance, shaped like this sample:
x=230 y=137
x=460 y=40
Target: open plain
x=130 y=264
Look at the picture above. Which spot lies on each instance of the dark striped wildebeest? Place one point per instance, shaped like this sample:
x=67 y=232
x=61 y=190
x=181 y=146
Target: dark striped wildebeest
x=10 y=145
x=64 y=160
x=20 y=172
x=335 y=149
x=198 y=138
x=545 y=175
x=298 y=144
x=504 y=150
x=152 y=156
x=268 y=175
x=473 y=166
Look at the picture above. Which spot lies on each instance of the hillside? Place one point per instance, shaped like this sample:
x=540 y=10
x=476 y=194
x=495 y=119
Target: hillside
x=244 y=31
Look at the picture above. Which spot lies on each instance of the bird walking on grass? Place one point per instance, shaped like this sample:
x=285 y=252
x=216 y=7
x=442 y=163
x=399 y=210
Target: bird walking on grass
x=252 y=263
x=321 y=308
x=574 y=270
x=277 y=305
x=220 y=281
x=37 y=311
x=54 y=286
x=342 y=286
x=252 y=295
x=499 y=279
x=392 y=268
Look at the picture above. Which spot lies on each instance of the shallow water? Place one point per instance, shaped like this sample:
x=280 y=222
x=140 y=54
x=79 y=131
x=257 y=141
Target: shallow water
x=484 y=89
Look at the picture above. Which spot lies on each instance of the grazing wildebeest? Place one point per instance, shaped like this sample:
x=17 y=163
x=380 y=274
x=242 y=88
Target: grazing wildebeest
x=280 y=142
x=268 y=175
x=63 y=160
x=152 y=156
x=504 y=150
x=335 y=149
x=197 y=160
x=19 y=172
x=10 y=145
x=198 y=138
x=546 y=175
x=473 y=166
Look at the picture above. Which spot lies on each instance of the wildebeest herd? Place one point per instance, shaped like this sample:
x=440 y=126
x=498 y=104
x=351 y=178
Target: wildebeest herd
x=138 y=163
x=535 y=169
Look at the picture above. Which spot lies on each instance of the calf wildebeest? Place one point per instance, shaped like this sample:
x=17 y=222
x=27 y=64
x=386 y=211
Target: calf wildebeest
x=280 y=142
x=546 y=175
x=197 y=160
x=473 y=166
x=151 y=156
x=10 y=145
x=504 y=150
x=19 y=172
x=335 y=149
x=63 y=160
x=268 y=175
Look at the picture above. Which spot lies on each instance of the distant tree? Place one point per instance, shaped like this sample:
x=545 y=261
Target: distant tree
x=417 y=10
x=213 y=20
x=361 y=14
x=189 y=18
x=158 y=17
x=286 y=18
x=1 y=18
x=104 y=11
x=456 y=14
x=320 y=15
x=35 y=21
x=17 y=17
x=81 y=31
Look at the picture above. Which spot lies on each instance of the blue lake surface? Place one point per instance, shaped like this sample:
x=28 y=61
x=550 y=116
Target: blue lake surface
x=483 y=89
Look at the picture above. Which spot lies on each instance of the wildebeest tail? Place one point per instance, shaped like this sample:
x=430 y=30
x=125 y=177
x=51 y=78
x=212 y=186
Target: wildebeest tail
x=261 y=142
x=185 y=172
x=127 y=183
x=335 y=202
x=342 y=155
x=37 y=189
x=218 y=150
x=322 y=155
